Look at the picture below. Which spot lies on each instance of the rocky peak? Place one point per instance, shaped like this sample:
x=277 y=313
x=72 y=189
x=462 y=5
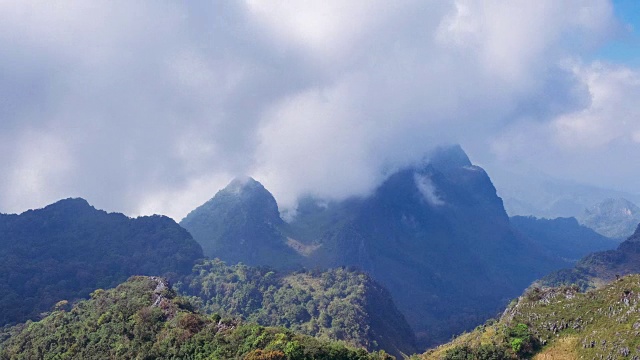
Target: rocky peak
x=70 y=204
x=243 y=185
x=445 y=158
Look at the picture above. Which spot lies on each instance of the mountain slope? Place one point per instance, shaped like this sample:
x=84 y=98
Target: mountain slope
x=601 y=267
x=615 y=218
x=558 y=323
x=435 y=234
x=143 y=319
x=562 y=236
x=338 y=304
x=69 y=248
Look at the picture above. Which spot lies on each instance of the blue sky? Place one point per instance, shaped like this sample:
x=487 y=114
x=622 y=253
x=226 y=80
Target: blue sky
x=624 y=47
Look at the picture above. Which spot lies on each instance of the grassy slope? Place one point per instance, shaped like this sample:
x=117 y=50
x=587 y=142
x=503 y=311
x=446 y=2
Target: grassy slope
x=565 y=324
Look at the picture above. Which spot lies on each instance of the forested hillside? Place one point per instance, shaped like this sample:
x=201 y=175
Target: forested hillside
x=69 y=249
x=144 y=319
x=337 y=304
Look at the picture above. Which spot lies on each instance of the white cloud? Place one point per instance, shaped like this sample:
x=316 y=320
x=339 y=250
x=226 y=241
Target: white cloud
x=428 y=190
x=150 y=101
x=39 y=167
x=613 y=113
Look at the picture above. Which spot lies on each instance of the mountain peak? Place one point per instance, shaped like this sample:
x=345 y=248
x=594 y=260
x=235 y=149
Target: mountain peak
x=621 y=205
x=70 y=204
x=448 y=157
x=240 y=224
x=242 y=184
x=613 y=217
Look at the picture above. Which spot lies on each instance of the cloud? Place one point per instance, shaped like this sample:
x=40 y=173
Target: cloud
x=612 y=113
x=428 y=190
x=146 y=107
x=590 y=143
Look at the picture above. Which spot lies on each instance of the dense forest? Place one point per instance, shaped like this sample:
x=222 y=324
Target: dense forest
x=68 y=249
x=337 y=304
x=144 y=319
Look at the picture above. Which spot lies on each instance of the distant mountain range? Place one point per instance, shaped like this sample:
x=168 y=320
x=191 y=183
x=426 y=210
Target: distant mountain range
x=615 y=218
x=435 y=234
x=600 y=267
x=564 y=237
x=543 y=196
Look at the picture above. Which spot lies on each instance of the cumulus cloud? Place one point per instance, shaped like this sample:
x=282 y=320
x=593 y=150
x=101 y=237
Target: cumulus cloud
x=592 y=142
x=146 y=107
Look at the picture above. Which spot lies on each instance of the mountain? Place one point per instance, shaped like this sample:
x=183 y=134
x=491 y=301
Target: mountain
x=532 y=193
x=144 y=319
x=557 y=323
x=435 y=234
x=600 y=267
x=338 y=304
x=615 y=218
x=241 y=223
x=564 y=237
x=69 y=248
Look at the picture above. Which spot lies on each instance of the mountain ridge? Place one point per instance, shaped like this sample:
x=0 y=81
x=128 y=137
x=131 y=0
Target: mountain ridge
x=600 y=268
x=68 y=249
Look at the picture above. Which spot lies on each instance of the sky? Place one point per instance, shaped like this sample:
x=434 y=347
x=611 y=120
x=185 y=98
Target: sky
x=146 y=107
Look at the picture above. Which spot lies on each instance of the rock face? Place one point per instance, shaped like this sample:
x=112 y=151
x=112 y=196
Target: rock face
x=615 y=218
x=435 y=234
x=564 y=237
x=68 y=249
